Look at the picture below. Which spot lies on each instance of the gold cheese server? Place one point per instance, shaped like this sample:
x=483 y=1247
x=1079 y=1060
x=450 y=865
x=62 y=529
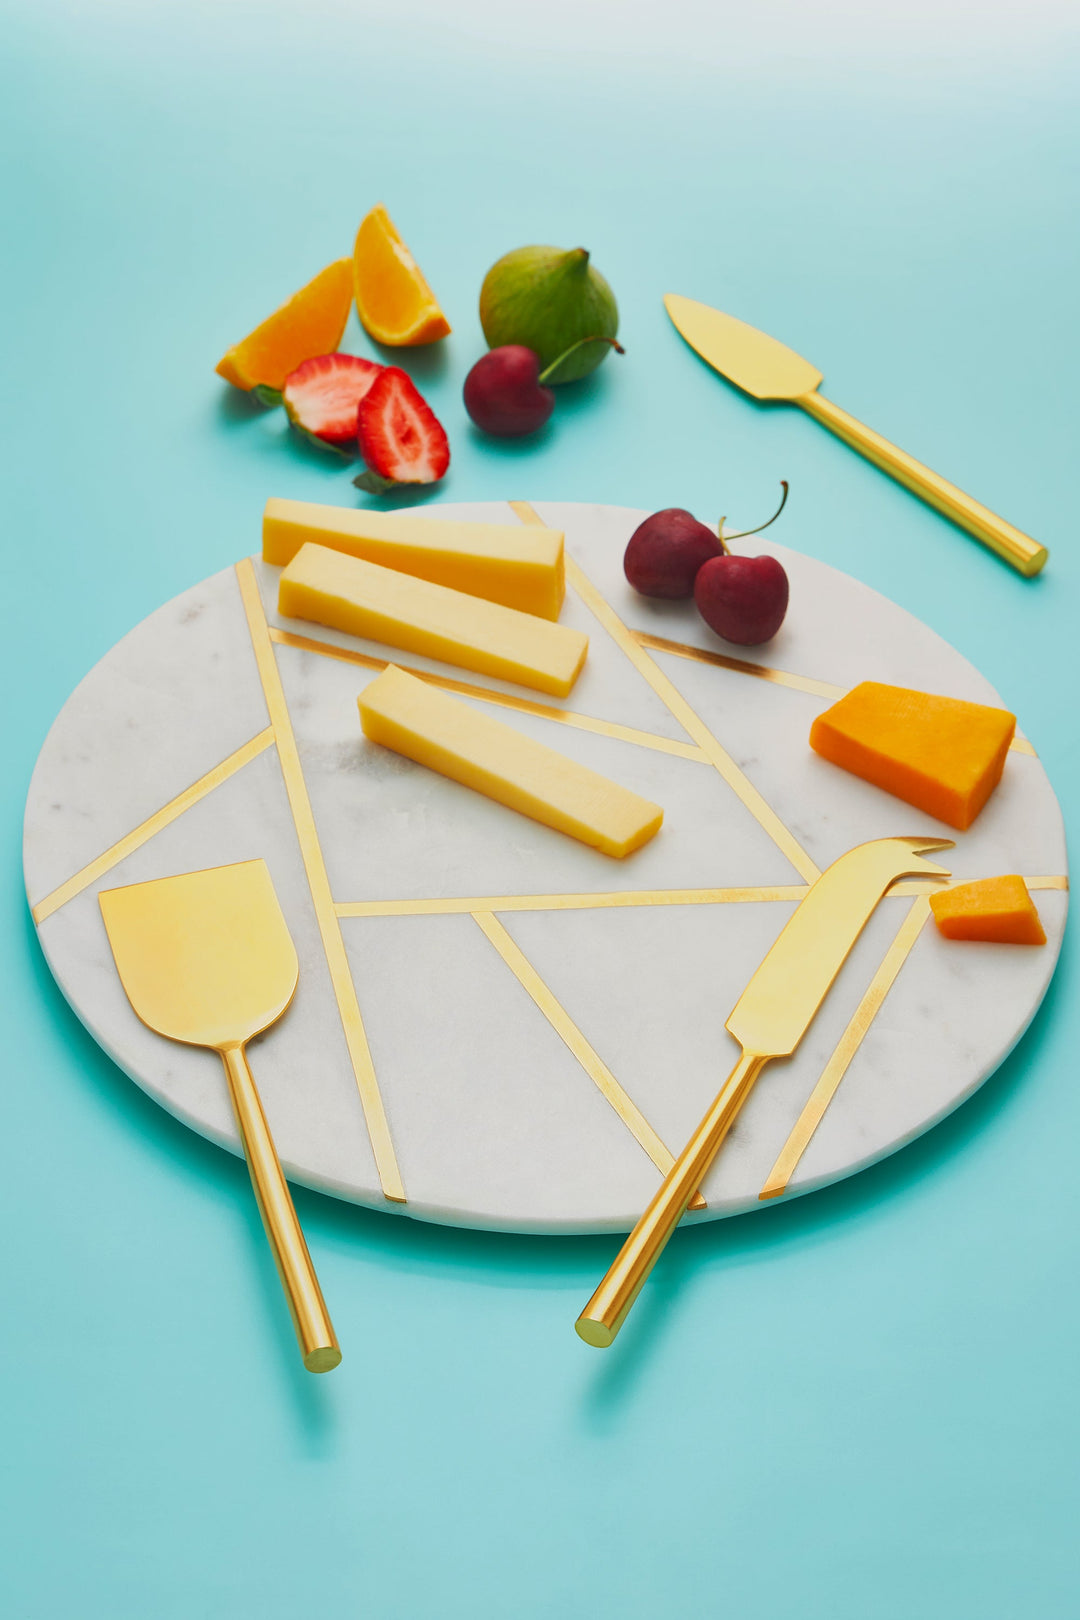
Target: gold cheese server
x=206 y=958
x=768 y=370
x=769 y=1020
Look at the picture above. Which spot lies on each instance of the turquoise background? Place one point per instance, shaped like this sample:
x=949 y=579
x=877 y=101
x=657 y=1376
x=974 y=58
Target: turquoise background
x=861 y=1405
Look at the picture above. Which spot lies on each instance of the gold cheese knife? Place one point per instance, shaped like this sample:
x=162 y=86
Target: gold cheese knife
x=769 y=1020
x=768 y=370
x=206 y=958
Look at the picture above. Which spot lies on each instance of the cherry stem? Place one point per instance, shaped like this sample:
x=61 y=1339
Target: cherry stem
x=556 y=363
x=742 y=534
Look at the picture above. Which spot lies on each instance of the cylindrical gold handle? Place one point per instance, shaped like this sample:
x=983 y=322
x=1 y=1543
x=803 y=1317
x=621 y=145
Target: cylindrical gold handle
x=1018 y=549
x=318 y=1343
x=606 y=1312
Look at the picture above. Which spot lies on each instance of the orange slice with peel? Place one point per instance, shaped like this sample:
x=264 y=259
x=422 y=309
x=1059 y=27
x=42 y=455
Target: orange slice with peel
x=394 y=302
x=311 y=323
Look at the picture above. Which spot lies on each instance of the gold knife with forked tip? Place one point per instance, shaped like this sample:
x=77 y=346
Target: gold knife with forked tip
x=768 y=370
x=769 y=1020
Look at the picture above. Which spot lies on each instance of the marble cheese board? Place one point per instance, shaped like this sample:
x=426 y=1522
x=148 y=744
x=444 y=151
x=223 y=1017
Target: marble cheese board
x=496 y=1026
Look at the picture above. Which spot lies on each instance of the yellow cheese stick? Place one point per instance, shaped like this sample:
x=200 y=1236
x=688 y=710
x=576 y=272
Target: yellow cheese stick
x=365 y=600
x=451 y=737
x=519 y=566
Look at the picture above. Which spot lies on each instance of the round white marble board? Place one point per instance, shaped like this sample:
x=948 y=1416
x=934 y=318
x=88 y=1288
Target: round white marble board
x=494 y=1121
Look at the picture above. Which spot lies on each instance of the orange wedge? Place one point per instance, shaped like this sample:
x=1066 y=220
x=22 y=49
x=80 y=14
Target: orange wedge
x=310 y=323
x=393 y=300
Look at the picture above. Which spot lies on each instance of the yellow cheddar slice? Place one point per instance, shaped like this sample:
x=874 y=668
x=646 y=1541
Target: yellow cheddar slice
x=425 y=724
x=363 y=599
x=520 y=566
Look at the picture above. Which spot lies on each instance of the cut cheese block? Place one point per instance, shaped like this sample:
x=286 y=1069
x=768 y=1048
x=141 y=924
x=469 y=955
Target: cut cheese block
x=363 y=599
x=518 y=565
x=425 y=724
x=998 y=909
x=942 y=754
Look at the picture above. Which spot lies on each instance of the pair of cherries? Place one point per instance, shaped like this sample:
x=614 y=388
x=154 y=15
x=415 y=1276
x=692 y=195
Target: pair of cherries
x=672 y=555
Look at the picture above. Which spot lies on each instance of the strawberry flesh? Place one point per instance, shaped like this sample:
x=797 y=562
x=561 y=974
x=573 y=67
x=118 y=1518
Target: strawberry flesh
x=401 y=439
x=322 y=396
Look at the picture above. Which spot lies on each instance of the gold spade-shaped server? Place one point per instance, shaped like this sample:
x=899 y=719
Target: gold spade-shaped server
x=206 y=958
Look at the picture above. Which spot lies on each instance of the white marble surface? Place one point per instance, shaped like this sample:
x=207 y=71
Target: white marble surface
x=494 y=1122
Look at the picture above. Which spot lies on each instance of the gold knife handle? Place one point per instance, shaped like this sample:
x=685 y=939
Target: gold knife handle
x=1018 y=549
x=318 y=1343
x=609 y=1307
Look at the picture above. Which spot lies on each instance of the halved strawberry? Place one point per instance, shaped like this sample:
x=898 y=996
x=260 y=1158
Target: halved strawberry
x=401 y=438
x=322 y=396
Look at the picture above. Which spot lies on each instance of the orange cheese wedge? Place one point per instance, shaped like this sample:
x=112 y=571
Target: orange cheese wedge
x=942 y=754
x=310 y=323
x=998 y=909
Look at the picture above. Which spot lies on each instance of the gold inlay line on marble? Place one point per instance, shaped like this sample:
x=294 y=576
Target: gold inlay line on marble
x=153 y=824
x=506 y=700
x=765 y=672
x=822 y=1095
x=568 y=1032
x=742 y=666
x=673 y=699
x=454 y=905
x=921 y=886
x=669 y=694
x=319 y=884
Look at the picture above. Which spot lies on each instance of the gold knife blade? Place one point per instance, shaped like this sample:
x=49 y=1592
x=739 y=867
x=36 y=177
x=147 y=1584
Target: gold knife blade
x=768 y=1020
x=777 y=1006
x=753 y=361
x=769 y=370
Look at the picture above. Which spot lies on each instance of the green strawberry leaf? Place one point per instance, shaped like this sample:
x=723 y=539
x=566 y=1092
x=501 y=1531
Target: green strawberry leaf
x=265 y=395
x=346 y=450
x=374 y=483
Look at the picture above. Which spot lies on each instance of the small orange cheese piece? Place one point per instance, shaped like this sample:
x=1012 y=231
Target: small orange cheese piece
x=998 y=909
x=311 y=323
x=942 y=754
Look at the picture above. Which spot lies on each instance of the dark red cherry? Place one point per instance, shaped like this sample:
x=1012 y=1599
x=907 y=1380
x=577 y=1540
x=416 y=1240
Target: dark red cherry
x=666 y=551
x=503 y=393
x=743 y=599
